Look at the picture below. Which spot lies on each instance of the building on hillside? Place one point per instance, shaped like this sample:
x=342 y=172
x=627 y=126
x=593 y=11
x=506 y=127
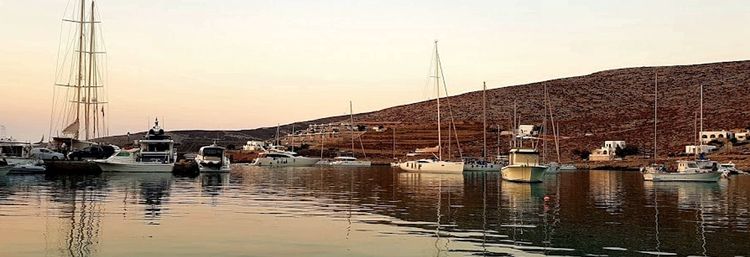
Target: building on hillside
x=699 y=149
x=606 y=152
x=254 y=146
x=742 y=136
x=708 y=136
x=527 y=131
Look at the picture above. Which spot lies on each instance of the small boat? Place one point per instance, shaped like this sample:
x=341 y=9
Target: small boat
x=156 y=154
x=280 y=158
x=524 y=166
x=28 y=168
x=212 y=158
x=349 y=161
x=687 y=171
x=567 y=167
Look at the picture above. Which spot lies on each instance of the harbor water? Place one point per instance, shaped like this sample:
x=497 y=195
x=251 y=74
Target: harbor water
x=376 y=211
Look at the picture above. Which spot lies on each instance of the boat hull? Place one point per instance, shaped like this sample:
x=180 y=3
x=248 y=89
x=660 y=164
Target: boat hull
x=135 y=167
x=351 y=163
x=213 y=167
x=490 y=167
x=5 y=169
x=683 y=177
x=527 y=174
x=433 y=167
x=285 y=162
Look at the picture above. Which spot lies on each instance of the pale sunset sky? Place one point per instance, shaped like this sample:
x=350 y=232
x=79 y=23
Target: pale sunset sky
x=238 y=64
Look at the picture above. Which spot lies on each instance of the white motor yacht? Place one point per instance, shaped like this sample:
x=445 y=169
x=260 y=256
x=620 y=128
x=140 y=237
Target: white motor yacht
x=279 y=158
x=14 y=152
x=212 y=158
x=524 y=166
x=687 y=171
x=156 y=154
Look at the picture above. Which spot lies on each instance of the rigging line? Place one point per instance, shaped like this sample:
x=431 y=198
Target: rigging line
x=450 y=110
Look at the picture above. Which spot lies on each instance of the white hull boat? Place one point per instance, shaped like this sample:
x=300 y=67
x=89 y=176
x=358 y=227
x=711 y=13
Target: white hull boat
x=276 y=158
x=682 y=177
x=349 y=162
x=524 y=166
x=211 y=159
x=567 y=167
x=155 y=155
x=136 y=167
x=427 y=165
x=523 y=173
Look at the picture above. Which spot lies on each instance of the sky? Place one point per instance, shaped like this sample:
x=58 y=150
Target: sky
x=237 y=64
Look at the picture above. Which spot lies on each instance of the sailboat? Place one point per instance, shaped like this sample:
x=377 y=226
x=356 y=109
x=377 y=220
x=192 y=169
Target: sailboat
x=350 y=161
x=78 y=111
x=687 y=171
x=435 y=164
x=483 y=164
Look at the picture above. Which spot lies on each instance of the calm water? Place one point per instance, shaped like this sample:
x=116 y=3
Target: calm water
x=370 y=212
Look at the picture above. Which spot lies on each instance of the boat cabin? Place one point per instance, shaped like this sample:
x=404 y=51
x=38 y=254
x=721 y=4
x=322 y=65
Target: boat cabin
x=524 y=156
x=212 y=153
x=157 y=146
x=12 y=148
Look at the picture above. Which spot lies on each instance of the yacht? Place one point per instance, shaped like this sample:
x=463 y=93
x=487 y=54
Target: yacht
x=156 y=153
x=280 y=158
x=687 y=171
x=435 y=165
x=14 y=152
x=567 y=167
x=523 y=166
x=212 y=158
x=483 y=164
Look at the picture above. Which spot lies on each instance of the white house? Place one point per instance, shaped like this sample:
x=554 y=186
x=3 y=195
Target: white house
x=708 y=136
x=606 y=152
x=699 y=149
x=526 y=130
x=741 y=136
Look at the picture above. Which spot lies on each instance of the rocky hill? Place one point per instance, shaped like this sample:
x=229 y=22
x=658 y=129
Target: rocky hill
x=608 y=105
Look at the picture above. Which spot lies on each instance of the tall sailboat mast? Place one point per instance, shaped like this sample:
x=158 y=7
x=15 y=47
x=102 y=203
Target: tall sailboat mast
x=437 y=89
x=484 y=120
x=656 y=104
x=79 y=78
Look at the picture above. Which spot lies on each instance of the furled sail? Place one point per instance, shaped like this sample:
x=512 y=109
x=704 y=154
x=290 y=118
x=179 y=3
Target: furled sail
x=72 y=129
x=428 y=150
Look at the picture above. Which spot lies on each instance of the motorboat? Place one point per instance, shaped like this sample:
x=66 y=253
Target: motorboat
x=212 y=158
x=349 y=161
x=14 y=152
x=687 y=171
x=524 y=166
x=280 y=158
x=432 y=165
x=36 y=167
x=156 y=153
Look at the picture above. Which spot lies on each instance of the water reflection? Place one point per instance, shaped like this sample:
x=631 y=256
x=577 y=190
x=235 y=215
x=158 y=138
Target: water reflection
x=372 y=211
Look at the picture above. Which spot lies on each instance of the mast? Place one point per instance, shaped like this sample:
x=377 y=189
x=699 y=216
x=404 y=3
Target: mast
x=292 y=137
x=437 y=88
x=80 y=64
x=351 y=124
x=701 y=141
x=394 y=142
x=656 y=104
x=91 y=73
x=484 y=120
x=544 y=127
